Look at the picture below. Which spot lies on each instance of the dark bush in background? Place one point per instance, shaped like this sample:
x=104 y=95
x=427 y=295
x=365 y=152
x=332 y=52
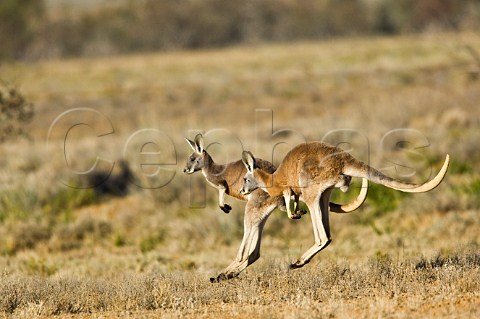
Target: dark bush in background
x=19 y=20
x=29 y=30
x=15 y=112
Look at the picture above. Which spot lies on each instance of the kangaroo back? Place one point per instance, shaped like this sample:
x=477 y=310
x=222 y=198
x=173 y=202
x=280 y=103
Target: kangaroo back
x=317 y=159
x=311 y=162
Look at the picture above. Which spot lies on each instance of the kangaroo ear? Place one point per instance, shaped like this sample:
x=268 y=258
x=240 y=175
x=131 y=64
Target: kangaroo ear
x=191 y=143
x=248 y=160
x=199 y=144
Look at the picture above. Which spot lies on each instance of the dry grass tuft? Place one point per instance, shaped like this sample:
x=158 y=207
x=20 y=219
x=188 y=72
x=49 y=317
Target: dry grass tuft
x=311 y=290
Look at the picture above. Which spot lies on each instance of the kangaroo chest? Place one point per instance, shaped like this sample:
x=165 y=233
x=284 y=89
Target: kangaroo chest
x=214 y=182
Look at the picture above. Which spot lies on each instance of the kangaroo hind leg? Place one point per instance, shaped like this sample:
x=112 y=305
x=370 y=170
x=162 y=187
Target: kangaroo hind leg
x=318 y=205
x=257 y=212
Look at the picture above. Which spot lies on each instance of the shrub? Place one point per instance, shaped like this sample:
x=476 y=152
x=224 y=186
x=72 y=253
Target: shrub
x=18 y=23
x=15 y=112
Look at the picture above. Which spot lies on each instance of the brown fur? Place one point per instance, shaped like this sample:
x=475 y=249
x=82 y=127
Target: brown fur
x=312 y=170
x=230 y=175
x=320 y=163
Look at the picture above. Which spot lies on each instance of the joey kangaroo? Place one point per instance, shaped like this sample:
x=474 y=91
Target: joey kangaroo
x=227 y=178
x=312 y=170
x=343 y=183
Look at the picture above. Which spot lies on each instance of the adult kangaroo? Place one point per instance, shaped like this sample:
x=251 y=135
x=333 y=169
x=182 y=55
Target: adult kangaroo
x=312 y=170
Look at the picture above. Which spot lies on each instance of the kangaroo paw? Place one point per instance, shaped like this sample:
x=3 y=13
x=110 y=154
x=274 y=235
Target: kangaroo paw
x=223 y=277
x=297 y=264
x=297 y=215
x=301 y=212
x=226 y=208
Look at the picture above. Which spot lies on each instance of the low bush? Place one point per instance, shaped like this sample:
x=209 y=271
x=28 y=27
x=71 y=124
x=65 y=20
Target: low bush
x=15 y=112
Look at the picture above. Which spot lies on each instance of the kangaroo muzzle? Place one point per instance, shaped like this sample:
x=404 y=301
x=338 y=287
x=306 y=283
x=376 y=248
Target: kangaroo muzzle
x=244 y=191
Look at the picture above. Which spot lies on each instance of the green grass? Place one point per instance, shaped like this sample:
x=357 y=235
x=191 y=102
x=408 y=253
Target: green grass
x=59 y=207
x=460 y=168
x=152 y=240
x=16 y=205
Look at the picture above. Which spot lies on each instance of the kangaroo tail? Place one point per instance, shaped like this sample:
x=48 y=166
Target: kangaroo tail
x=373 y=175
x=350 y=207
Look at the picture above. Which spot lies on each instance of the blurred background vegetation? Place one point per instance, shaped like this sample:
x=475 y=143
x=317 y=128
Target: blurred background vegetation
x=39 y=29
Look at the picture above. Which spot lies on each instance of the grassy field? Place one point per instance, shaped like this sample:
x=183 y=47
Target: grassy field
x=399 y=103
